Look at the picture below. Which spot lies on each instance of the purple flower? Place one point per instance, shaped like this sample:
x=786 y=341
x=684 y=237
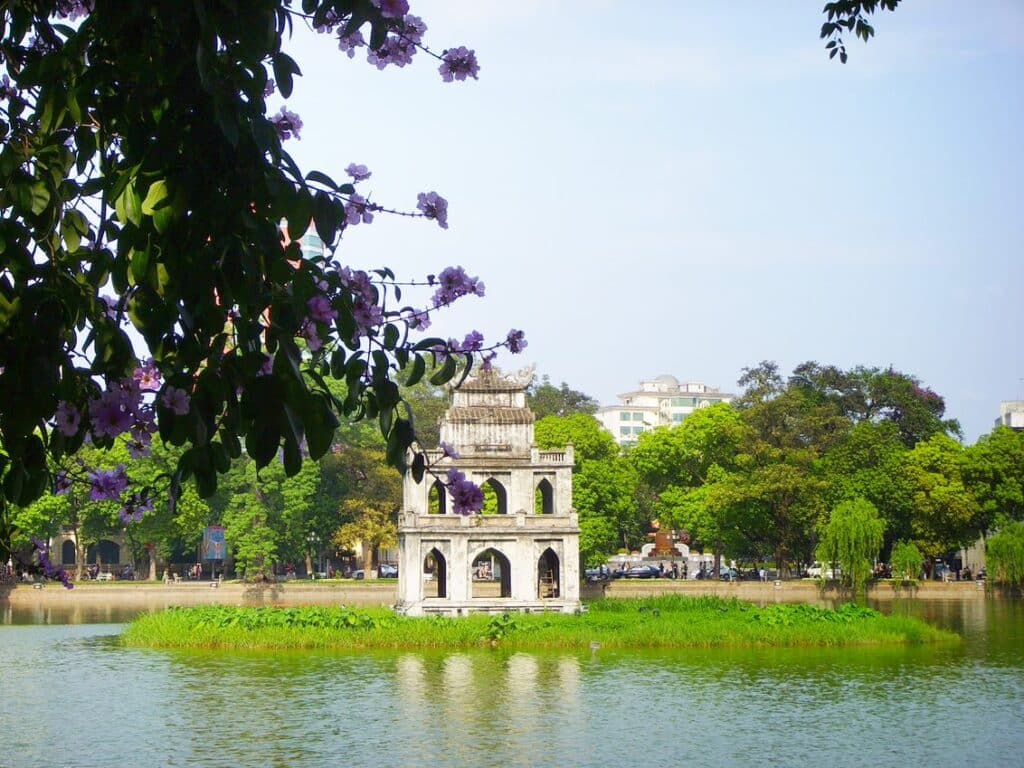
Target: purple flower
x=392 y=9
x=397 y=49
x=488 y=361
x=331 y=20
x=358 y=210
x=313 y=341
x=453 y=283
x=367 y=316
x=111 y=414
x=147 y=376
x=467 y=497
x=413 y=28
x=358 y=172
x=67 y=418
x=287 y=124
x=7 y=91
x=52 y=571
x=320 y=309
x=112 y=307
x=458 y=63
x=473 y=342
x=266 y=367
x=268 y=89
x=135 y=508
x=349 y=43
x=176 y=400
x=74 y=9
x=515 y=341
x=61 y=482
x=418 y=321
x=434 y=207
x=108 y=485
x=447 y=452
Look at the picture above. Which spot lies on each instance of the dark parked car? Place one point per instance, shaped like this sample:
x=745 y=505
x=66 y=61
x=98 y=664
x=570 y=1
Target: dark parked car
x=643 y=572
x=594 y=575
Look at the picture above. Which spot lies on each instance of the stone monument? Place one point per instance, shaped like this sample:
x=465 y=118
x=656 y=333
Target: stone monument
x=522 y=552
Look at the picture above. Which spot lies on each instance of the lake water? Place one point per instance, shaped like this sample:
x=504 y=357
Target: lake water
x=70 y=695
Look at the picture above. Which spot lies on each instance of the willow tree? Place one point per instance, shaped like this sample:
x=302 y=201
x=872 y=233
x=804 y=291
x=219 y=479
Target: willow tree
x=1004 y=554
x=852 y=537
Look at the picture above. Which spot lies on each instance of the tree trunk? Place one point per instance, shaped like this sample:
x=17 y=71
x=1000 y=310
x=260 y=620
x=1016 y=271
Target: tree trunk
x=369 y=572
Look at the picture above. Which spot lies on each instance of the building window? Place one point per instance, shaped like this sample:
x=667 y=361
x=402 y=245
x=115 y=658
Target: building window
x=625 y=416
x=637 y=430
x=678 y=417
x=638 y=416
x=624 y=431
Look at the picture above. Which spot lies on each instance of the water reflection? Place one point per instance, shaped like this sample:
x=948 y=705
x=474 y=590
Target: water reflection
x=767 y=707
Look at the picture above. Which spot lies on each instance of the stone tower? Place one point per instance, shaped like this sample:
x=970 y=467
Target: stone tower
x=522 y=553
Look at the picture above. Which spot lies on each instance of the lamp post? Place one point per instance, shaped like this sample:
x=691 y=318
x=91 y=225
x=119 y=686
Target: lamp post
x=314 y=547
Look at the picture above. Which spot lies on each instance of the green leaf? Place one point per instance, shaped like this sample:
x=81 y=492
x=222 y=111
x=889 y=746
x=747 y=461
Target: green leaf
x=419 y=466
x=128 y=206
x=262 y=442
x=284 y=67
x=156 y=197
x=324 y=218
x=399 y=440
x=338 y=363
x=419 y=367
x=322 y=178
x=446 y=373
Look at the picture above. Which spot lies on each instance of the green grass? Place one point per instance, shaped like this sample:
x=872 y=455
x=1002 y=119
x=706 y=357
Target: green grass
x=662 y=622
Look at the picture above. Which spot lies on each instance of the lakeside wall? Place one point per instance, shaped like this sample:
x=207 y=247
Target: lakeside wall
x=156 y=596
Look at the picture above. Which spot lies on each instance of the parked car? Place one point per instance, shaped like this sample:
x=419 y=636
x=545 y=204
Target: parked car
x=387 y=571
x=643 y=572
x=594 y=575
x=729 y=574
x=816 y=571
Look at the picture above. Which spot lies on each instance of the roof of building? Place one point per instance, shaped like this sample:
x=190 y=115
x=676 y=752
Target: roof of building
x=488 y=414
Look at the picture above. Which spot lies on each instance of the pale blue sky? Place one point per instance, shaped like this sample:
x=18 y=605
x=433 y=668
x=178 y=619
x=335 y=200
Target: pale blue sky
x=692 y=187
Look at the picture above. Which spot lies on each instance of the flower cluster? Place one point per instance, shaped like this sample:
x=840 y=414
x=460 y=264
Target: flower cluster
x=121 y=409
x=433 y=206
x=108 y=485
x=287 y=124
x=391 y=9
x=515 y=341
x=458 y=64
x=72 y=10
x=357 y=210
x=466 y=495
x=52 y=571
x=133 y=509
x=400 y=45
x=349 y=43
x=453 y=283
x=358 y=172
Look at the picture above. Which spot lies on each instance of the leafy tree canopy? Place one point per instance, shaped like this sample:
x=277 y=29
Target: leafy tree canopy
x=145 y=185
x=545 y=399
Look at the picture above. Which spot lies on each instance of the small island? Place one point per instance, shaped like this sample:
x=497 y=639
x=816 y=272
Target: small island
x=662 y=622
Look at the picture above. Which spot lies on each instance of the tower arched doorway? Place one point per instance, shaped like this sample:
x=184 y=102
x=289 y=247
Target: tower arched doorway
x=548 y=575
x=491 y=575
x=435 y=574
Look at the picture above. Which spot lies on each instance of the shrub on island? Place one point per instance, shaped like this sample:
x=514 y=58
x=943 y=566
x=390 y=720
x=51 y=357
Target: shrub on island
x=662 y=622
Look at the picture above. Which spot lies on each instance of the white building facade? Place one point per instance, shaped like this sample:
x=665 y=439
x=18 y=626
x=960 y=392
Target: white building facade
x=1011 y=414
x=524 y=554
x=660 y=402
